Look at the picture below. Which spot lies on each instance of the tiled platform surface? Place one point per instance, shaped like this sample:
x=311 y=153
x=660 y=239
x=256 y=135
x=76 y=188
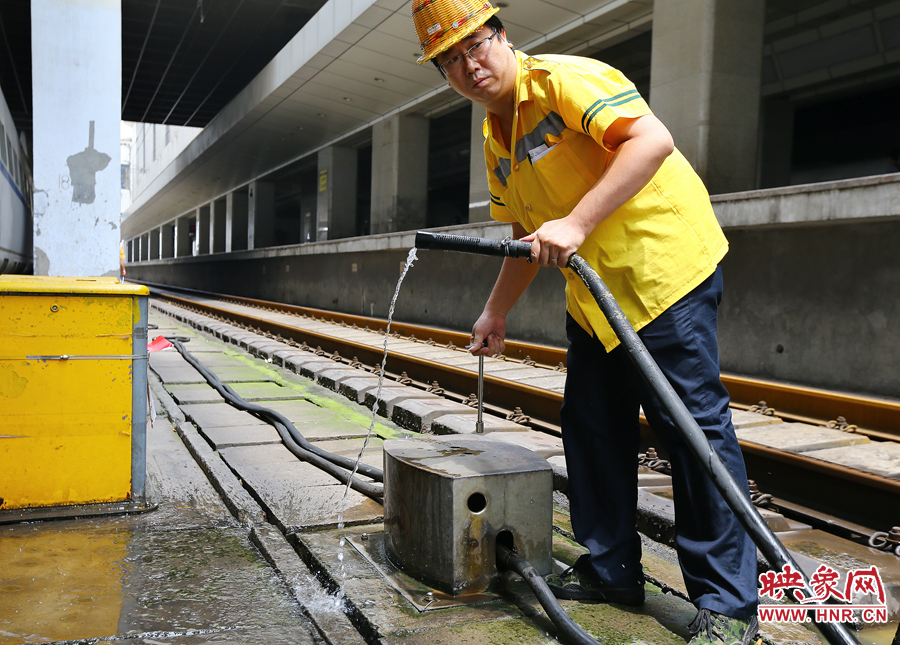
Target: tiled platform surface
x=302 y=502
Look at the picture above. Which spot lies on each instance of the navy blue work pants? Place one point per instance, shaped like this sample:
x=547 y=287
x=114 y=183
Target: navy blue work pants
x=601 y=439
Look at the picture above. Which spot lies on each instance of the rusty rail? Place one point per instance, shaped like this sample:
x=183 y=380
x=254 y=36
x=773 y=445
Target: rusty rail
x=874 y=417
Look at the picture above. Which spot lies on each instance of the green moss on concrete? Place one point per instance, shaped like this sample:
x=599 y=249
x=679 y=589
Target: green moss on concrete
x=613 y=625
x=566 y=550
x=316 y=394
x=495 y=632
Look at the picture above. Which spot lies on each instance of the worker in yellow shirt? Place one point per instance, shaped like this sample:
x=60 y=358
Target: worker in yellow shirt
x=576 y=161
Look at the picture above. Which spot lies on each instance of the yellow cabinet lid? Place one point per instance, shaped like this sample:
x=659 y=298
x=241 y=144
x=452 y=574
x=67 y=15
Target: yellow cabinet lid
x=10 y=284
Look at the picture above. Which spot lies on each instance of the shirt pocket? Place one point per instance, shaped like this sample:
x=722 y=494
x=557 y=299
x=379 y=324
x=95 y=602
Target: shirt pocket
x=561 y=173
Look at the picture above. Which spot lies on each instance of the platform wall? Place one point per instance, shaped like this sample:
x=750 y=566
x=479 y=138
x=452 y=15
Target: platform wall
x=817 y=304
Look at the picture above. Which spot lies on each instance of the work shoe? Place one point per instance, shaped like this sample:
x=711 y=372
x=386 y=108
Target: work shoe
x=710 y=628
x=573 y=584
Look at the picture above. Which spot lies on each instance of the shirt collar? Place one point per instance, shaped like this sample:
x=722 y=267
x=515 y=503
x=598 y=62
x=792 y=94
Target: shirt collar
x=523 y=93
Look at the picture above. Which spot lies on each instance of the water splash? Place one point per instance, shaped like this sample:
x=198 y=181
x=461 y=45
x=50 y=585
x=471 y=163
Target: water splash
x=410 y=258
x=342 y=506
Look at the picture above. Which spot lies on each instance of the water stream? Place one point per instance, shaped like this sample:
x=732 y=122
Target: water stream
x=410 y=258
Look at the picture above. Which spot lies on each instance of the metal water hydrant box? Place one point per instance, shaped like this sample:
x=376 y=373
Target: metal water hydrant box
x=449 y=500
x=73 y=391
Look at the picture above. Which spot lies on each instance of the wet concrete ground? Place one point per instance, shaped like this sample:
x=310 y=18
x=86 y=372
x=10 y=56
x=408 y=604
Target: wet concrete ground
x=190 y=573
x=185 y=573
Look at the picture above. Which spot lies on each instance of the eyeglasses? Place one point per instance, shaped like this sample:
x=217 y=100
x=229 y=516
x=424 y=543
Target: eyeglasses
x=478 y=51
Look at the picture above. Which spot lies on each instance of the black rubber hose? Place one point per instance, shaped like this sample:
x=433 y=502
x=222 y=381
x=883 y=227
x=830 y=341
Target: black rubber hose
x=272 y=416
x=337 y=466
x=508 y=248
x=570 y=631
x=736 y=498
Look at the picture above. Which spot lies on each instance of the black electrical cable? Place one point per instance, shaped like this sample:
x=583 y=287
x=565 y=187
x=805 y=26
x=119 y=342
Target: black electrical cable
x=736 y=498
x=568 y=628
x=335 y=465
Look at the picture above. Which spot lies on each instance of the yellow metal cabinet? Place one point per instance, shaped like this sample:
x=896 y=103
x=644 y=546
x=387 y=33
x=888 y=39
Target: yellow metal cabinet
x=73 y=391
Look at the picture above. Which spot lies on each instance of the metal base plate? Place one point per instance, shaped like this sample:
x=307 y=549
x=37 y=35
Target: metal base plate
x=420 y=595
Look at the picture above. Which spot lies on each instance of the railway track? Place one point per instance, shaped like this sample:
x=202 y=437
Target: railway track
x=530 y=377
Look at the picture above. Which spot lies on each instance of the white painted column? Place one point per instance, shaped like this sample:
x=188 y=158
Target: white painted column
x=706 y=67
x=336 y=193
x=203 y=230
x=183 y=237
x=399 y=174
x=479 y=195
x=76 y=53
x=261 y=215
x=236 y=221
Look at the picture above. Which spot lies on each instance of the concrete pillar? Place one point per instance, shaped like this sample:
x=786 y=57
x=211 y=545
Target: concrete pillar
x=705 y=84
x=76 y=67
x=154 y=235
x=308 y=205
x=399 y=174
x=336 y=194
x=479 y=195
x=261 y=215
x=776 y=142
x=236 y=220
x=217 y=226
x=167 y=240
x=183 y=237
x=204 y=231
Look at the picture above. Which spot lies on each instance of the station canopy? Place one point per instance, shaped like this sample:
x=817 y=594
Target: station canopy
x=182 y=60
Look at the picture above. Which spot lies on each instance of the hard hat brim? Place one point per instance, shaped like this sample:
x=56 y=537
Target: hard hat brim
x=459 y=35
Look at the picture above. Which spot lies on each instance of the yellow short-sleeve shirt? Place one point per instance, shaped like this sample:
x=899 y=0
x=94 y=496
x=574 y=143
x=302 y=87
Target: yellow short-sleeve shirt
x=650 y=252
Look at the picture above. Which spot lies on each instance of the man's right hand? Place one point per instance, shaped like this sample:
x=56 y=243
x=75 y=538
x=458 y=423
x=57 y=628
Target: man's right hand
x=488 y=334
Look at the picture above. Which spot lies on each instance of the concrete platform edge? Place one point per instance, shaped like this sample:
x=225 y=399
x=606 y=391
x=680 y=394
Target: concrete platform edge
x=238 y=501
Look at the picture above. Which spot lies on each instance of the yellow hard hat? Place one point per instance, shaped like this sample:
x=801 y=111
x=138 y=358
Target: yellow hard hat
x=440 y=24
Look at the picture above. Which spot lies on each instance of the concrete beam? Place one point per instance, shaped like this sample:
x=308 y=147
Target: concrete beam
x=183 y=237
x=261 y=215
x=155 y=237
x=479 y=195
x=204 y=230
x=399 y=174
x=217 y=227
x=236 y=221
x=167 y=240
x=706 y=68
x=336 y=197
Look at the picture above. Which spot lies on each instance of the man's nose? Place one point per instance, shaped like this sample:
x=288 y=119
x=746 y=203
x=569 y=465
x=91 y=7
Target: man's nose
x=472 y=65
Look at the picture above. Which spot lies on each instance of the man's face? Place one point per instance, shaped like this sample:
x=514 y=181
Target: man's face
x=485 y=76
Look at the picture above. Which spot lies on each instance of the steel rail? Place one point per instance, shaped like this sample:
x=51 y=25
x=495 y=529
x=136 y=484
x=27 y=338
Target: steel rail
x=874 y=417
x=543 y=404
